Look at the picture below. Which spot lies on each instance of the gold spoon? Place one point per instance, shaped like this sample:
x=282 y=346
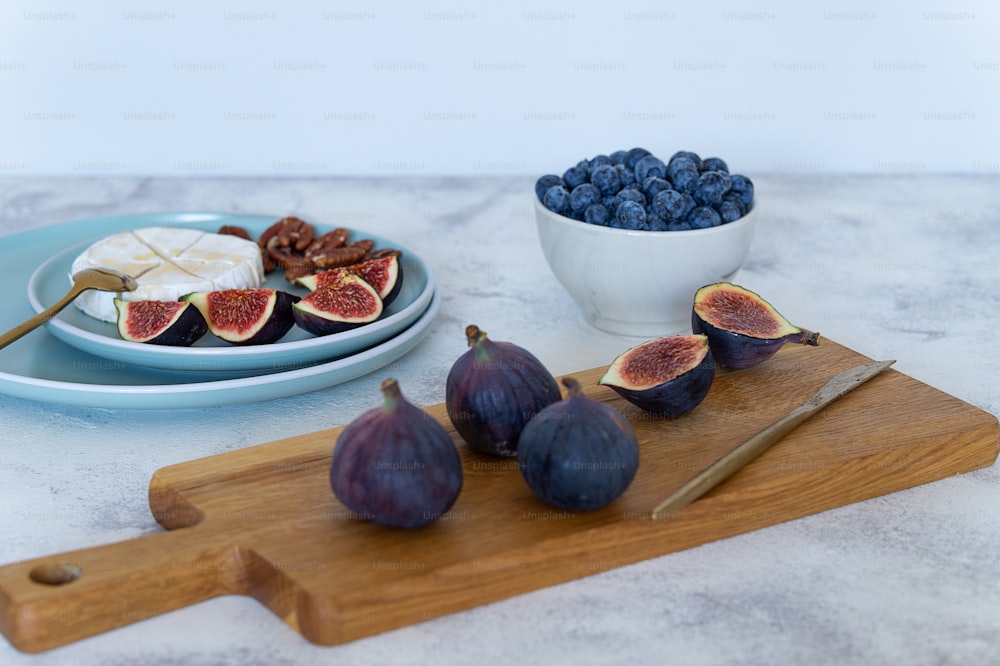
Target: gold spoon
x=104 y=279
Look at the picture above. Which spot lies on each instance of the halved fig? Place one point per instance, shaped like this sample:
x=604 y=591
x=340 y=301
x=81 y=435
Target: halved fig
x=245 y=316
x=742 y=328
x=341 y=302
x=173 y=323
x=667 y=376
x=385 y=274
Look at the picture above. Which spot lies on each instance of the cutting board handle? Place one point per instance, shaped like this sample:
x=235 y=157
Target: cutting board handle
x=51 y=601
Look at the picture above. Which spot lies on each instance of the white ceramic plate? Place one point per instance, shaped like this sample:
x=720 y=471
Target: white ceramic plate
x=212 y=355
x=41 y=367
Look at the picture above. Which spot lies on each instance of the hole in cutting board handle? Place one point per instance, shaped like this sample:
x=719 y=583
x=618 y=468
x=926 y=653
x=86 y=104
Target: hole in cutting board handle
x=55 y=573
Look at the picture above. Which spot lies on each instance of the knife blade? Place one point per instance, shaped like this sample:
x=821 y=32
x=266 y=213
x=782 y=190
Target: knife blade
x=739 y=457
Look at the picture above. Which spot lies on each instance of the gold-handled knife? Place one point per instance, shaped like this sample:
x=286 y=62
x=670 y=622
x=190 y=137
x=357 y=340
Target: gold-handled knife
x=739 y=457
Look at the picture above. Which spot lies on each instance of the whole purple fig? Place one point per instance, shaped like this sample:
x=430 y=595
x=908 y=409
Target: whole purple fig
x=395 y=465
x=578 y=454
x=493 y=390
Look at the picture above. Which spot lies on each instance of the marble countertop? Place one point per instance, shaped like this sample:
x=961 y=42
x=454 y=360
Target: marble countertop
x=894 y=266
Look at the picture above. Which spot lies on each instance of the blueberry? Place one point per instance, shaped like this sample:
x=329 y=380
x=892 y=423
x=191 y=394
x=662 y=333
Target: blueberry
x=688 y=155
x=605 y=177
x=544 y=183
x=653 y=184
x=634 y=196
x=729 y=211
x=634 y=189
x=633 y=157
x=703 y=217
x=689 y=203
x=650 y=165
x=711 y=187
x=631 y=215
x=714 y=164
x=679 y=163
x=574 y=176
x=597 y=213
x=626 y=176
x=557 y=199
x=742 y=186
x=670 y=204
x=599 y=160
x=583 y=196
x=685 y=180
x=653 y=223
x=734 y=198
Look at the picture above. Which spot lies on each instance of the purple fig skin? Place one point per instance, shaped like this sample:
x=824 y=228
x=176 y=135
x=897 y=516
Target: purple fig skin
x=578 y=454
x=311 y=282
x=278 y=322
x=675 y=397
x=738 y=351
x=397 y=285
x=320 y=326
x=319 y=319
x=396 y=466
x=747 y=330
x=493 y=390
x=185 y=330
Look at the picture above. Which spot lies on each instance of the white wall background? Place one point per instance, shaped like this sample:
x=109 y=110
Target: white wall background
x=445 y=87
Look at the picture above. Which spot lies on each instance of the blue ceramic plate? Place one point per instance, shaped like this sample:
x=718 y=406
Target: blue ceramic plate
x=210 y=354
x=41 y=367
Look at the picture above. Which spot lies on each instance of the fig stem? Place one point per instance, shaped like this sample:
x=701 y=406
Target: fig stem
x=391 y=393
x=572 y=385
x=808 y=337
x=474 y=335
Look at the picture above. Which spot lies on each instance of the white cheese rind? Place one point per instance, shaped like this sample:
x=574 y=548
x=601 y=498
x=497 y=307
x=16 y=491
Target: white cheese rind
x=168 y=263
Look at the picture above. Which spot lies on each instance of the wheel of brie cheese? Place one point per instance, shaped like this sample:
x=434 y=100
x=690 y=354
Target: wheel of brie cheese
x=168 y=263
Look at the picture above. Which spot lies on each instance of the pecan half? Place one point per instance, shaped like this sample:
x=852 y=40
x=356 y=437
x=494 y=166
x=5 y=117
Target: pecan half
x=337 y=257
x=288 y=232
x=328 y=241
x=231 y=230
x=286 y=257
x=329 y=250
x=365 y=243
x=382 y=252
x=293 y=273
x=293 y=263
x=270 y=265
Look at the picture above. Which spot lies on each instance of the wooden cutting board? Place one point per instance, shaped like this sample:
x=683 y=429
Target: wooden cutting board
x=263 y=522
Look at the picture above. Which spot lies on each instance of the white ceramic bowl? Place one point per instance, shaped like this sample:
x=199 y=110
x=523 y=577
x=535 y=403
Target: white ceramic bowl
x=640 y=283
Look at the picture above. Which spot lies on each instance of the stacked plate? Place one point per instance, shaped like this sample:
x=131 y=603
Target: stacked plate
x=83 y=361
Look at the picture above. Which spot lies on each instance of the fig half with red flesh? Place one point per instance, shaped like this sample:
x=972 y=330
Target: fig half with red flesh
x=667 y=376
x=742 y=328
x=340 y=302
x=245 y=316
x=385 y=274
x=173 y=323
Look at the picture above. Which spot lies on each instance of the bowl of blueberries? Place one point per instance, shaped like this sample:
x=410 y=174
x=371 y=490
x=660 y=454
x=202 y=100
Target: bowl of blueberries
x=632 y=236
